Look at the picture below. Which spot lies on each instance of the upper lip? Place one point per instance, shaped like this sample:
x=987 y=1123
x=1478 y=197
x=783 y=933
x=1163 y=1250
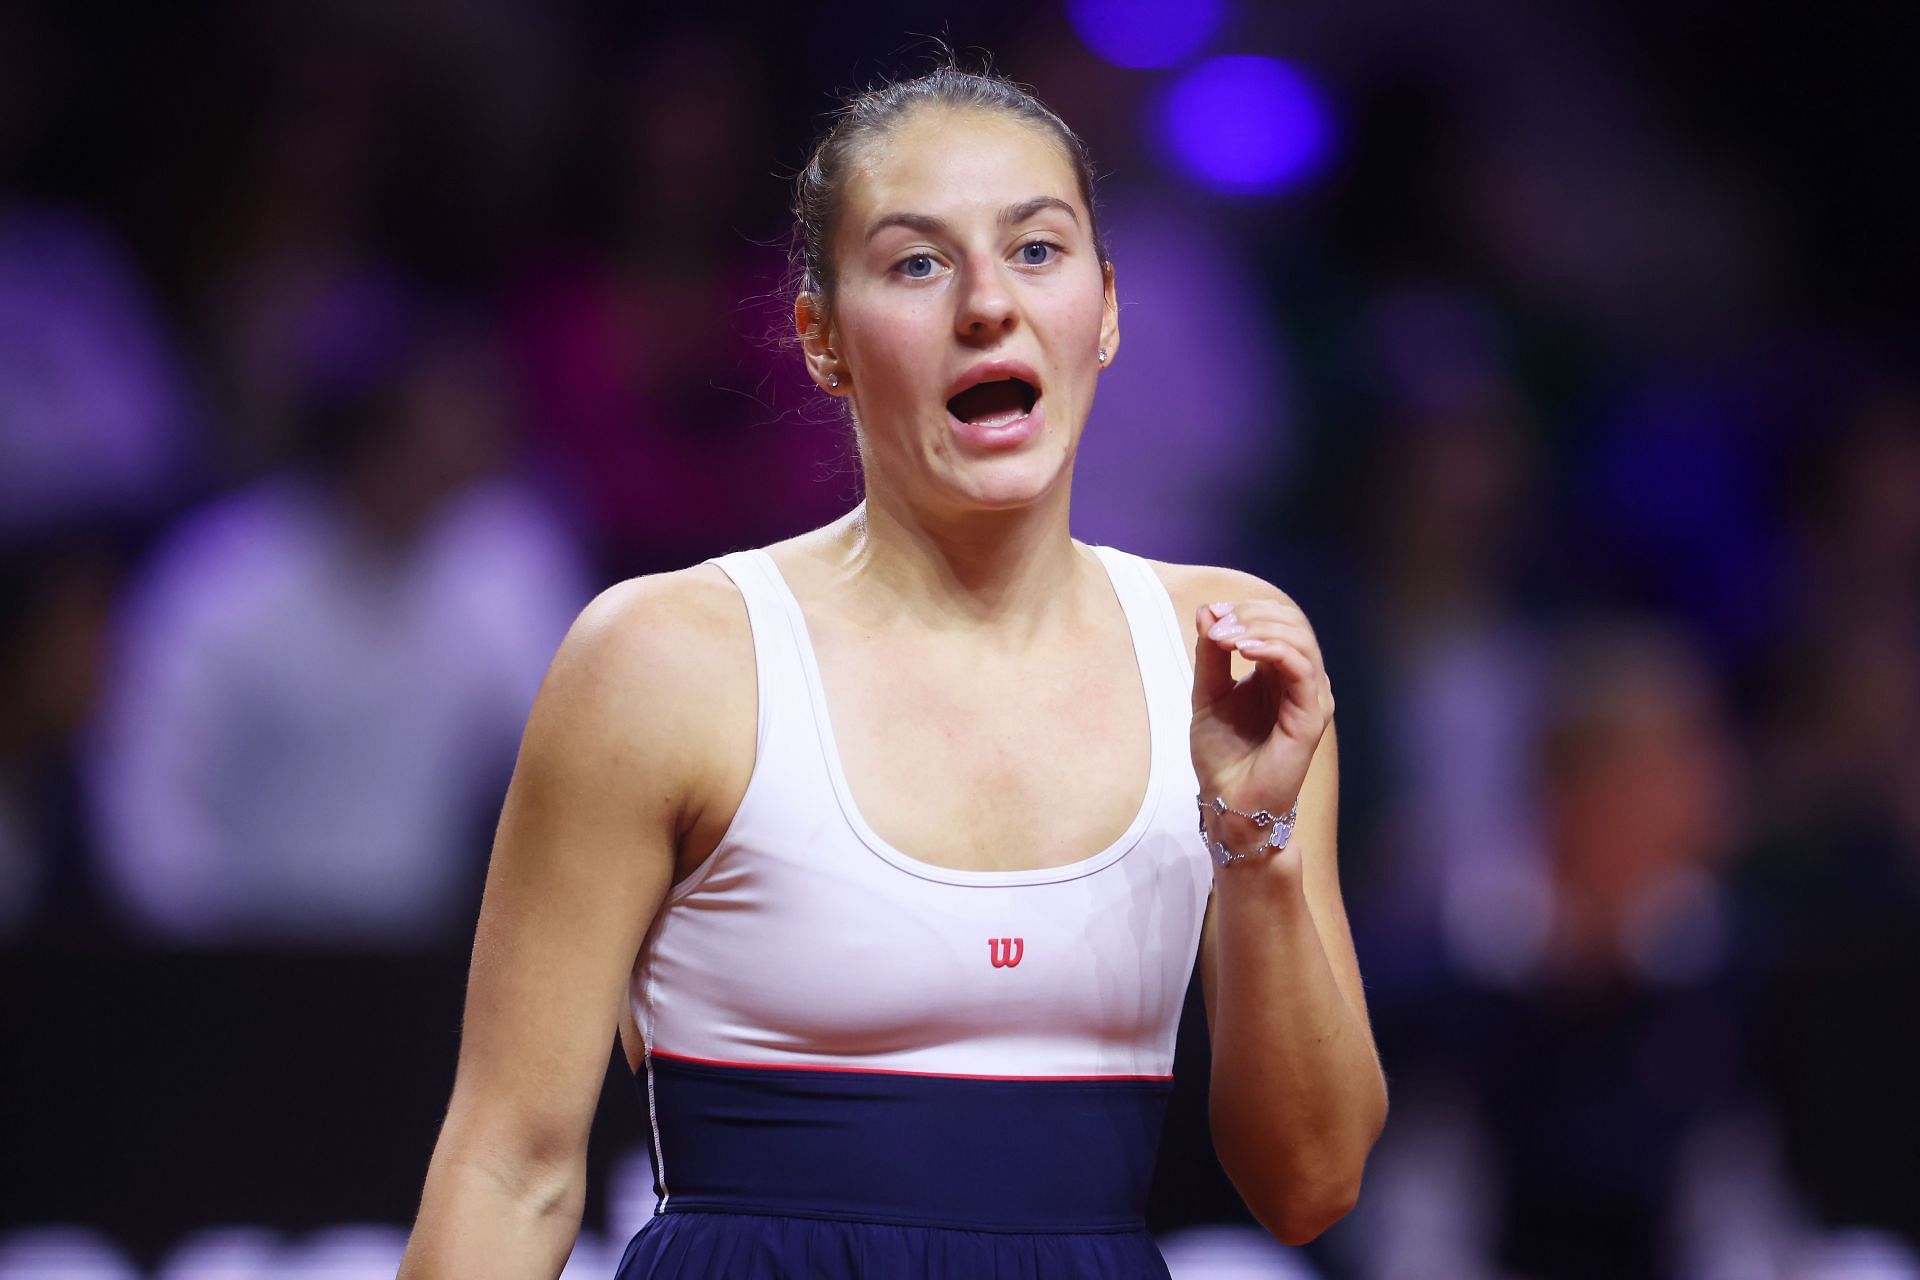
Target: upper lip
x=994 y=371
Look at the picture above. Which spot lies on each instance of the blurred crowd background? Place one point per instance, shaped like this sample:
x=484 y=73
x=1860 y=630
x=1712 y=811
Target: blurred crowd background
x=1559 y=359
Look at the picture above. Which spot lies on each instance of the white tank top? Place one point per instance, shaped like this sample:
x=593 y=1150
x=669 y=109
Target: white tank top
x=806 y=940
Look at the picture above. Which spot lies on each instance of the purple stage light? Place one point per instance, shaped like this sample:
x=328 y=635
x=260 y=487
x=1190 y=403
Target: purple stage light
x=1145 y=33
x=1247 y=125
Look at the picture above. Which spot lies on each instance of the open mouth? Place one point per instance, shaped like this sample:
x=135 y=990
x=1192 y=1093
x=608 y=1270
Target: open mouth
x=994 y=404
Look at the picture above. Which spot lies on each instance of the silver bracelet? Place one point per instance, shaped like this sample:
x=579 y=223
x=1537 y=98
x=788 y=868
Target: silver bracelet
x=1279 y=830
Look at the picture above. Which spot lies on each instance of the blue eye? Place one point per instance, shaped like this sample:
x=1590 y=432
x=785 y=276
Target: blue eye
x=916 y=266
x=1036 y=253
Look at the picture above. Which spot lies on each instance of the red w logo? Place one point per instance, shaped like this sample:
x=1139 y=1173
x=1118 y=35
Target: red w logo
x=1006 y=952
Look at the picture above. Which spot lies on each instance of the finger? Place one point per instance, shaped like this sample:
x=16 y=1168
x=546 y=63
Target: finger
x=1295 y=632
x=1260 y=633
x=1276 y=652
x=1212 y=659
x=1269 y=608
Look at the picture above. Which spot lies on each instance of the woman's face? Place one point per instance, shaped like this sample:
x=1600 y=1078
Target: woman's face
x=968 y=312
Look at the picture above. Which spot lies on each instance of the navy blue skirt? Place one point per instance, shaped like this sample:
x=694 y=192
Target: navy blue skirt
x=771 y=1174
x=706 y=1246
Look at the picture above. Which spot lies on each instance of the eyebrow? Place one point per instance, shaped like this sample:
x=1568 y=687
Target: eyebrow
x=1009 y=216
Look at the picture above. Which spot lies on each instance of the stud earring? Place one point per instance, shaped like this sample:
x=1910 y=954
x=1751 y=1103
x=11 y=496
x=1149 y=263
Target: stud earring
x=833 y=380
x=1103 y=355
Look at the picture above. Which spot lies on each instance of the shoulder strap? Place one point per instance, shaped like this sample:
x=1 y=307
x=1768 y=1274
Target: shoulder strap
x=780 y=675
x=1147 y=599
x=1165 y=665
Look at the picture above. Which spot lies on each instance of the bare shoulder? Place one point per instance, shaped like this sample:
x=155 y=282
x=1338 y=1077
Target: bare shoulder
x=1192 y=585
x=654 y=628
x=649 y=667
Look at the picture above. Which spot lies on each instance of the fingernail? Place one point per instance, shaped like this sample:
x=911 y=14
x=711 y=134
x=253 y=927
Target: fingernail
x=1249 y=646
x=1222 y=609
x=1227 y=626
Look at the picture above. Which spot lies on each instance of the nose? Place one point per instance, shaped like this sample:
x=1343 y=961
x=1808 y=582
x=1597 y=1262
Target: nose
x=984 y=309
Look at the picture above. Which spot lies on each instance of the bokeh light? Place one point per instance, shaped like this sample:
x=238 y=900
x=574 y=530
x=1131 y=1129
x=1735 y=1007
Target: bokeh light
x=1146 y=33
x=1247 y=125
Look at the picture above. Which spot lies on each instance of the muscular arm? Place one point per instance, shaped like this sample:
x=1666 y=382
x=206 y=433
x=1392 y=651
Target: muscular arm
x=581 y=862
x=1297 y=1094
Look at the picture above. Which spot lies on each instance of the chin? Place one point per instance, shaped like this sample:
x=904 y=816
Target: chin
x=1008 y=484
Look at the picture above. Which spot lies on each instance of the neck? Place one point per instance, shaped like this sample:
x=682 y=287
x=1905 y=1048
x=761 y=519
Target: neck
x=1017 y=573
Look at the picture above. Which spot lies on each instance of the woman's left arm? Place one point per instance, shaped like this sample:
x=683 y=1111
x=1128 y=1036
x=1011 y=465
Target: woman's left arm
x=1298 y=1096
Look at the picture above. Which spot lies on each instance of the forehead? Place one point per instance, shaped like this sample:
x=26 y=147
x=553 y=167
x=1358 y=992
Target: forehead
x=946 y=162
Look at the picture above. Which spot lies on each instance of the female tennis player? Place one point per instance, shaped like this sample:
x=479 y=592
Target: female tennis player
x=890 y=848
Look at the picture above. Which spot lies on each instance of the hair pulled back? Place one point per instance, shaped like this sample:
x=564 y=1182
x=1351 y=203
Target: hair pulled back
x=819 y=190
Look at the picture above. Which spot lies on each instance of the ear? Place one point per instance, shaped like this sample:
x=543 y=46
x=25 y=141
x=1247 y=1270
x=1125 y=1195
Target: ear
x=824 y=365
x=1110 y=317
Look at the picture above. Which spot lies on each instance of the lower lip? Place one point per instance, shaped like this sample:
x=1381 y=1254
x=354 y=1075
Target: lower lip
x=1007 y=435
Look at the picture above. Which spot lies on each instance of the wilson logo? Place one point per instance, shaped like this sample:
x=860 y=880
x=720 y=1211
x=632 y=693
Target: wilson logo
x=1006 y=952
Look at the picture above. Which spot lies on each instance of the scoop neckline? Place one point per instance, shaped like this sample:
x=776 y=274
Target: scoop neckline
x=881 y=847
